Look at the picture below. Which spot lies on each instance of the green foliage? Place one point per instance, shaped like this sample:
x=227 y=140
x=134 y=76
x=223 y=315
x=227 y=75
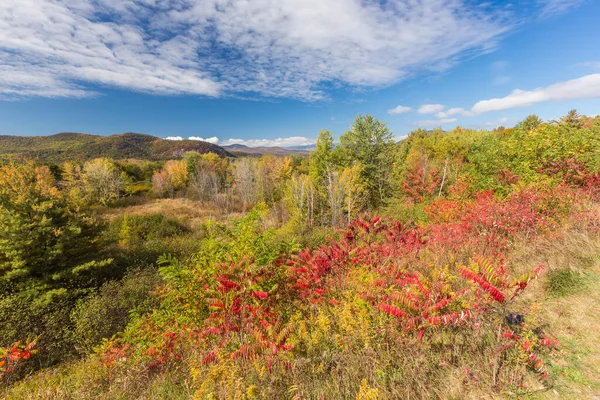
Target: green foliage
x=370 y=143
x=43 y=238
x=530 y=123
x=147 y=227
x=322 y=159
x=107 y=312
x=563 y=282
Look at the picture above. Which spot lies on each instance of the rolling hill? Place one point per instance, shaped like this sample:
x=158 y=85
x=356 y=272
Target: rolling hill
x=63 y=146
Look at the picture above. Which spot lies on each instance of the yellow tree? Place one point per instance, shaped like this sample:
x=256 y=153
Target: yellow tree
x=355 y=194
x=102 y=180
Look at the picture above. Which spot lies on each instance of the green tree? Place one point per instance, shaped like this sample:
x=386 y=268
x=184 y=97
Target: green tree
x=572 y=120
x=42 y=235
x=321 y=160
x=530 y=123
x=370 y=143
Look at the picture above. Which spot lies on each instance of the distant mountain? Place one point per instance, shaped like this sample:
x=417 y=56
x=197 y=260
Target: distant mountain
x=307 y=147
x=81 y=146
x=241 y=150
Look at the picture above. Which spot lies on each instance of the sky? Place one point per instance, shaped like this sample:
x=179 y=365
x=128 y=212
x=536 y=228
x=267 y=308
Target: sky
x=276 y=72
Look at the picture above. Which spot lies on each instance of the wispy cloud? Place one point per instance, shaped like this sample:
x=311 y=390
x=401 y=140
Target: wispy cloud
x=277 y=48
x=590 y=64
x=399 y=110
x=551 y=8
x=581 y=88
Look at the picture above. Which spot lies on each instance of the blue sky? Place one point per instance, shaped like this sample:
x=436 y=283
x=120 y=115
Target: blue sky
x=275 y=72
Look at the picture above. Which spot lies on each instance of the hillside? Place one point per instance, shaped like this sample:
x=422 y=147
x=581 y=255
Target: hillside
x=69 y=146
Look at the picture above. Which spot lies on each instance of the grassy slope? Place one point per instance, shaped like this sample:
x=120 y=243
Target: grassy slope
x=71 y=146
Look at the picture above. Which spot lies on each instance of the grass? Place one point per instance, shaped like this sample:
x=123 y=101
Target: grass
x=188 y=211
x=569 y=297
x=563 y=282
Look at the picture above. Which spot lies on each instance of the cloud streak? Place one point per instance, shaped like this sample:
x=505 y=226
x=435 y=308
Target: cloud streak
x=585 y=87
x=274 y=48
x=581 y=88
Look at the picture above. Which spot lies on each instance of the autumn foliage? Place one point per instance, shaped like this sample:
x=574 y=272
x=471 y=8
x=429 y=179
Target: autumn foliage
x=405 y=284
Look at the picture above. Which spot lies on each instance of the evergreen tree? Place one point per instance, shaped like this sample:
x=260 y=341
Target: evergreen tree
x=370 y=143
x=572 y=120
x=43 y=238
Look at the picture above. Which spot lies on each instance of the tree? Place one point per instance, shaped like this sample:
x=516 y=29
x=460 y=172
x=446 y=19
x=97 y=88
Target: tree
x=370 y=143
x=173 y=177
x=572 y=120
x=42 y=236
x=102 y=180
x=530 y=123
x=245 y=181
x=301 y=198
x=321 y=160
x=208 y=175
x=354 y=191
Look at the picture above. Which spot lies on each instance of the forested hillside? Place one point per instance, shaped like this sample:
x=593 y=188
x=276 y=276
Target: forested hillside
x=454 y=264
x=79 y=146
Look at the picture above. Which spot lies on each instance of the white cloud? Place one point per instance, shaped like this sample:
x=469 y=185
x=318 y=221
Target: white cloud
x=581 y=88
x=454 y=111
x=213 y=140
x=174 y=138
x=279 y=48
x=280 y=142
x=430 y=108
x=435 y=122
x=399 y=110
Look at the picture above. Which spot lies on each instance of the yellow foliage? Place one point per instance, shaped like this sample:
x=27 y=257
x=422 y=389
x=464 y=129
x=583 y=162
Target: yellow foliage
x=366 y=392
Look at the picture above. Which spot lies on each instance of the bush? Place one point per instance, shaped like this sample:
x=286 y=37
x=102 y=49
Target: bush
x=47 y=319
x=107 y=312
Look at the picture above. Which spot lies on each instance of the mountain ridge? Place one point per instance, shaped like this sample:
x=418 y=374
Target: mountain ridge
x=83 y=146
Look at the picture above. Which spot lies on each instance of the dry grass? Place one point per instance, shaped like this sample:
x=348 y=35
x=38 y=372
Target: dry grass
x=190 y=211
x=571 y=317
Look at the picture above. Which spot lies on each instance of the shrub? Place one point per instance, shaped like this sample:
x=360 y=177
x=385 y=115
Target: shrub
x=107 y=312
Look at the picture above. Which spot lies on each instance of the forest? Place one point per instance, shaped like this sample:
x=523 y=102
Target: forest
x=451 y=264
